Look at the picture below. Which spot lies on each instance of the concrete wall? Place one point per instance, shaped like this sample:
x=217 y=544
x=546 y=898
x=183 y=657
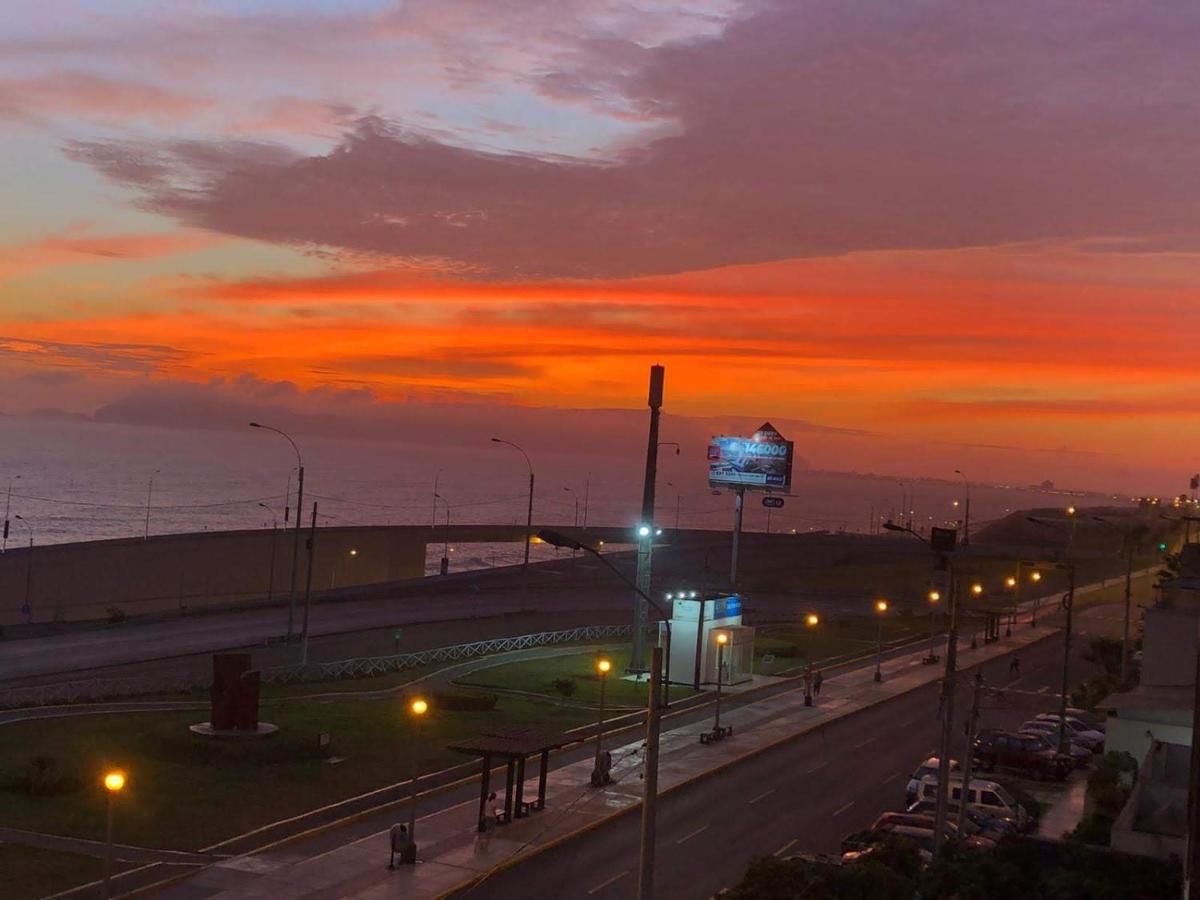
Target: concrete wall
x=170 y=573
x=1133 y=732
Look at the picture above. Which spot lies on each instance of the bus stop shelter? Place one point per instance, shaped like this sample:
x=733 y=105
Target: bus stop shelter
x=514 y=748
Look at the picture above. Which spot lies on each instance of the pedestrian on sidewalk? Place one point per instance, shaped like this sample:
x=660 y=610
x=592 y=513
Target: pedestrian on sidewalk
x=401 y=842
x=484 y=839
x=818 y=680
x=808 y=685
x=1014 y=667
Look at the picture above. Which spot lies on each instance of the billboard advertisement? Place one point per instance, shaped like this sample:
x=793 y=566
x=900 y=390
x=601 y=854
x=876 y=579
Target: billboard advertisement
x=763 y=461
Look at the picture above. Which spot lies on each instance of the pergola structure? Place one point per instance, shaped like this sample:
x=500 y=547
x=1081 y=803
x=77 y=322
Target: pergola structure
x=514 y=747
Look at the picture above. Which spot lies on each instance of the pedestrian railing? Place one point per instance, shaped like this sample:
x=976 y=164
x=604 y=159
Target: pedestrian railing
x=94 y=689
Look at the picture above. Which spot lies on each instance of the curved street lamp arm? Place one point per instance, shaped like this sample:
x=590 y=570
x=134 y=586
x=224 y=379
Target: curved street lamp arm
x=518 y=449
x=288 y=437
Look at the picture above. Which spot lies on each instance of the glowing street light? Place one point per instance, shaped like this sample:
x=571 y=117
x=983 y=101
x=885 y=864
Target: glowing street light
x=600 y=777
x=881 y=607
x=812 y=620
x=1035 y=576
x=114 y=783
x=722 y=640
x=934 y=598
x=418 y=707
x=977 y=589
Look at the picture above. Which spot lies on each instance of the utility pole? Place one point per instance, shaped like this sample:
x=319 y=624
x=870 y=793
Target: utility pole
x=739 y=497
x=650 y=791
x=645 y=531
x=947 y=703
x=1128 y=592
x=972 y=719
x=312 y=547
x=1191 y=870
x=1068 y=604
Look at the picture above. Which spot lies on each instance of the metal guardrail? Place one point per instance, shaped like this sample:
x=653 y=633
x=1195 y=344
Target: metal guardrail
x=364 y=667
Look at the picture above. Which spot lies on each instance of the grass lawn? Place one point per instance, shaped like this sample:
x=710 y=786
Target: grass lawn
x=538 y=676
x=27 y=873
x=844 y=635
x=186 y=793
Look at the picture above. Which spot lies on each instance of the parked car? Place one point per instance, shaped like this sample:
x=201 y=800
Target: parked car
x=979 y=823
x=1075 y=723
x=1079 y=754
x=1092 y=720
x=918 y=829
x=1093 y=740
x=929 y=767
x=986 y=795
x=1021 y=752
x=923 y=820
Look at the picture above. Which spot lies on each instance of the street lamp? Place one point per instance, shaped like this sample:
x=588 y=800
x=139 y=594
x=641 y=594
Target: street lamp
x=812 y=620
x=26 y=607
x=418 y=707
x=529 y=516
x=966 y=508
x=114 y=783
x=722 y=640
x=299 y=518
x=881 y=607
x=1068 y=603
x=149 y=494
x=599 y=775
x=1127 y=536
x=934 y=598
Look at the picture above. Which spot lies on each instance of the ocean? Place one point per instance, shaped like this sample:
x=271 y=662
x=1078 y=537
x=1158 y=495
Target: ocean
x=83 y=480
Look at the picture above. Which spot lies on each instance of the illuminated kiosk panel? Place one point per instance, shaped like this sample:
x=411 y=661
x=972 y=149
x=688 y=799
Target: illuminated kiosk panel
x=722 y=613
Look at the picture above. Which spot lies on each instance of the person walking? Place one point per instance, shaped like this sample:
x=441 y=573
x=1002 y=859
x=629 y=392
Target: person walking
x=808 y=685
x=1014 y=667
x=818 y=680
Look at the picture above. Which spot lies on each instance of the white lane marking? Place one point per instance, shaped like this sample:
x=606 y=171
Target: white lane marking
x=841 y=810
x=689 y=836
x=908 y=724
x=786 y=847
x=888 y=779
x=765 y=793
x=862 y=744
x=602 y=885
x=817 y=768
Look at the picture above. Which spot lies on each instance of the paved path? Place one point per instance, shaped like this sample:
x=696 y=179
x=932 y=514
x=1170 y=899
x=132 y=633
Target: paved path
x=99 y=848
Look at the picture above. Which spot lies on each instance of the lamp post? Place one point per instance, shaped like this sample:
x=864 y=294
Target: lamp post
x=529 y=515
x=881 y=607
x=1013 y=583
x=722 y=640
x=149 y=494
x=947 y=697
x=1068 y=603
x=299 y=526
x=1035 y=576
x=977 y=593
x=966 y=508
x=599 y=776
x=934 y=598
x=114 y=783
x=7 y=509
x=1127 y=547
x=436 y=479
x=26 y=607
x=418 y=707
x=811 y=620
x=654 y=705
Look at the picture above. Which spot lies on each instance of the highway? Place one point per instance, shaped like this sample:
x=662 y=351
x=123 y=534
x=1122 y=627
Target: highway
x=801 y=797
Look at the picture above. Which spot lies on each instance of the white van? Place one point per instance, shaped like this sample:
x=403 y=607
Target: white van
x=985 y=795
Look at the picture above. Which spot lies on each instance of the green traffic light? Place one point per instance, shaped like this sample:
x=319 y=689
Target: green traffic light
x=1162 y=548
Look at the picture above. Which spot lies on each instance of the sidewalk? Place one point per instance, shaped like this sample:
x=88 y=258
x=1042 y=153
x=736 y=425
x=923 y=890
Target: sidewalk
x=451 y=856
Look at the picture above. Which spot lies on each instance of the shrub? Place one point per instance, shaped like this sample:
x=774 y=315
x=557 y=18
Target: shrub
x=565 y=686
x=42 y=777
x=116 y=615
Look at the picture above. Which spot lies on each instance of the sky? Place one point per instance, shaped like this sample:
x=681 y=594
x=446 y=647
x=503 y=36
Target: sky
x=926 y=235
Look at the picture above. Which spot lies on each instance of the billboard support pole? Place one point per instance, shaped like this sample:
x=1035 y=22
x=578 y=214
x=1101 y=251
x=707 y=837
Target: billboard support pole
x=739 y=496
x=637 y=658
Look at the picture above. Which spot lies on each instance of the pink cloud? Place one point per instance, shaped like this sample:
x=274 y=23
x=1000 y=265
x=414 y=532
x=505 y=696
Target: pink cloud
x=802 y=130
x=81 y=95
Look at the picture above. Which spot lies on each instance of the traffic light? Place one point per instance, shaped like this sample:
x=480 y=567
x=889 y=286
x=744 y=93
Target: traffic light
x=1162 y=547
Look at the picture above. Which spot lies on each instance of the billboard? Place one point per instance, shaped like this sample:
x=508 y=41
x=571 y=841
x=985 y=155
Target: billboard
x=763 y=461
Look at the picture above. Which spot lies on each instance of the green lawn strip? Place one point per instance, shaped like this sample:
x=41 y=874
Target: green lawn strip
x=27 y=873
x=538 y=676
x=835 y=637
x=185 y=792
